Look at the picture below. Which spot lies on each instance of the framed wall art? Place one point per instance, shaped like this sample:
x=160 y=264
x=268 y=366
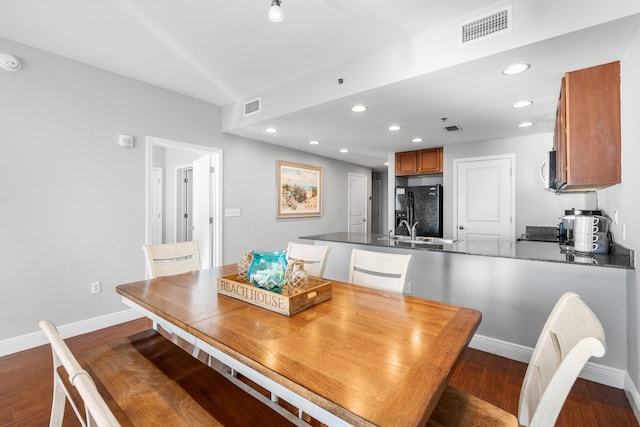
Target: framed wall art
x=299 y=190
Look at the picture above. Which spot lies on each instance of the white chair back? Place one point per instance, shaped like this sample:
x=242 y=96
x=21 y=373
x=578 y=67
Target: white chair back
x=97 y=411
x=379 y=270
x=172 y=258
x=314 y=257
x=571 y=335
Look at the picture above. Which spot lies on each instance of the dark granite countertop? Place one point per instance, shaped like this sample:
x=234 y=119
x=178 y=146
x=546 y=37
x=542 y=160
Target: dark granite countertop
x=620 y=257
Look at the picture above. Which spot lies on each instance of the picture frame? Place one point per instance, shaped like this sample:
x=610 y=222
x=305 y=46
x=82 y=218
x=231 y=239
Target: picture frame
x=299 y=190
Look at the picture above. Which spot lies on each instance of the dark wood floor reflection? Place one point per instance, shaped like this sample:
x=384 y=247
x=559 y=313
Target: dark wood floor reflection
x=26 y=385
x=26 y=378
x=498 y=380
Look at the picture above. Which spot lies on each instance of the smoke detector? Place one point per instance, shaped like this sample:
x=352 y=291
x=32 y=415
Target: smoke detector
x=9 y=62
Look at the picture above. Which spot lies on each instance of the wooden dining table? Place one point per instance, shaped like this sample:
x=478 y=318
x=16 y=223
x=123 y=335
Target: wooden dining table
x=364 y=357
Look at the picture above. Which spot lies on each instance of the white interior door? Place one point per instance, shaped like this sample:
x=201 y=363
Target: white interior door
x=485 y=199
x=202 y=208
x=157 y=189
x=357 y=203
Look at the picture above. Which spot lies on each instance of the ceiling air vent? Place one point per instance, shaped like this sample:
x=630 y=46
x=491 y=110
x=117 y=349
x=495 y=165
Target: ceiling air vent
x=252 y=107
x=485 y=27
x=452 y=128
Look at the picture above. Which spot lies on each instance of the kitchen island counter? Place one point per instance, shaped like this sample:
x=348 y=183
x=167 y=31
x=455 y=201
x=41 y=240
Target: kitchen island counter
x=521 y=249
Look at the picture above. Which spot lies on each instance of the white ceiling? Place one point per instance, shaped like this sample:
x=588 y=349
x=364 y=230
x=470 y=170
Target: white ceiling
x=227 y=51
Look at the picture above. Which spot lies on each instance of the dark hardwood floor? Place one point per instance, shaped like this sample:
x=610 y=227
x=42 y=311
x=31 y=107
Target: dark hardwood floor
x=26 y=378
x=26 y=385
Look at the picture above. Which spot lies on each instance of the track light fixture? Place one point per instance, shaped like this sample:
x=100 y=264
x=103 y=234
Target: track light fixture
x=275 y=12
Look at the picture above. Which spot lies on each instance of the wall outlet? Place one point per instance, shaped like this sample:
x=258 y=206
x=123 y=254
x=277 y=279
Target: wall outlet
x=95 y=288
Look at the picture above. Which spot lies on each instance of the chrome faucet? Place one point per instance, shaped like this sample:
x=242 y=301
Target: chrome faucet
x=410 y=228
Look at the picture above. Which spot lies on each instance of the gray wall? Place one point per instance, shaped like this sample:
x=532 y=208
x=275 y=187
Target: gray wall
x=250 y=184
x=73 y=201
x=625 y=198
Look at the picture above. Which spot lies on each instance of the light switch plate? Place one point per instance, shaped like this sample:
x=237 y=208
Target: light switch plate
x=232 y=212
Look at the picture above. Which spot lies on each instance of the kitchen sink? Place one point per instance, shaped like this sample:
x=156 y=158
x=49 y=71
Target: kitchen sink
x=420 y=240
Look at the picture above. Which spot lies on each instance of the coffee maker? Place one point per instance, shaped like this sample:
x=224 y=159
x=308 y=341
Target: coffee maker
x=567 y=225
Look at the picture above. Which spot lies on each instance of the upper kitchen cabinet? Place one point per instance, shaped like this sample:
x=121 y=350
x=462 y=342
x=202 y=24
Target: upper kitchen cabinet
x=587 y=129
x=420 y=162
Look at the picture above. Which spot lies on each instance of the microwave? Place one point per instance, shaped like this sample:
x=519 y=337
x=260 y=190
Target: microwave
x=548 y=171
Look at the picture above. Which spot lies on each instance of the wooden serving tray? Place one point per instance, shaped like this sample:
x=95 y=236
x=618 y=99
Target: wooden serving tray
x=319 y=290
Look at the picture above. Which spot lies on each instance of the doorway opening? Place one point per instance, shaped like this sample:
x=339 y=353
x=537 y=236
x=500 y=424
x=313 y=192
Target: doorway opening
x=200 y=199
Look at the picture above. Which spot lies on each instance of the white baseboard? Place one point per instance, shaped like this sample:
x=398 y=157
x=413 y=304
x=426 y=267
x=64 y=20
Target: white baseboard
x=35 y=339
x=633 y=396
x=501 y=348
x=595 y=372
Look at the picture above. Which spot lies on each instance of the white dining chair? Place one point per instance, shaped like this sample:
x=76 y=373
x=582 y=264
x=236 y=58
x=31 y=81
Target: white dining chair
x=379 y=270
x=569 y=338
x=95 y=407
x=313 y=256
x=172 y=258
x=167 y=260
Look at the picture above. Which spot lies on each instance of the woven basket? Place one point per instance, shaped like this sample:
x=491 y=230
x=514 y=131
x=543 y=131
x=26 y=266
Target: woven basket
x=243 y=267
x=297 y=277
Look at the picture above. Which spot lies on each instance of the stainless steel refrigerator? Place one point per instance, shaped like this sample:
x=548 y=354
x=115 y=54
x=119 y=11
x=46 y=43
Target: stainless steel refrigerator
x=422 y=204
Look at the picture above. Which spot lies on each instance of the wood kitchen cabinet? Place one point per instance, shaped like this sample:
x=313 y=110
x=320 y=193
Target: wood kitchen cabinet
x=587 y=129
x=419 y=162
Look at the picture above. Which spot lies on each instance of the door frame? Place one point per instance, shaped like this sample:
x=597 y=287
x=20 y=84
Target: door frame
x=154 y=190
x=512 y=207
x=376 y=206
x=178 y=174
x=216 y=186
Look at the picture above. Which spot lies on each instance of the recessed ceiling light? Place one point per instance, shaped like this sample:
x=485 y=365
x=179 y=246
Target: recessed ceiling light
x=394 y=128
x=271 y=130
x=386 y=163
x=522 y=104
x=344 y=150
x=515 y=69
x=416 y=140
x=525 y=124
x=358 y=108
x=314 y=142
